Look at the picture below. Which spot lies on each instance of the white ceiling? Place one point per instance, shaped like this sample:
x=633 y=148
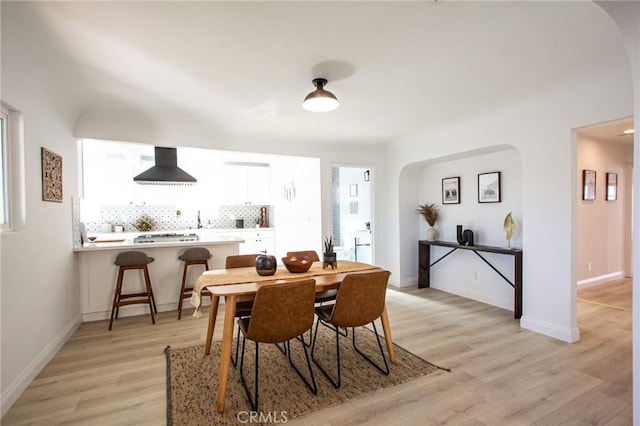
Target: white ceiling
x=242 y=69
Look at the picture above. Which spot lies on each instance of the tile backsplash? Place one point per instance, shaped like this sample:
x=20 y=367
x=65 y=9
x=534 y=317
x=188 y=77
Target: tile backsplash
x=166 y=218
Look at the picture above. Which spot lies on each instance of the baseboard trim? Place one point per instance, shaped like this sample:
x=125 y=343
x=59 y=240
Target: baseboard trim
x=569 y=335
x=600 y=279
x=131 y=311
x=24 y=379
x=407 y=282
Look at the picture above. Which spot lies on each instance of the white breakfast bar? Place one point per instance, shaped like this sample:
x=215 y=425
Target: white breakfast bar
x=98 y=273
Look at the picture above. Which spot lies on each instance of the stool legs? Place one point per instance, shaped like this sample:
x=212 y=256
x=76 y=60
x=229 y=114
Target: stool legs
x=185 y=292
x=147 y=281
x=182 y=289
x=116 y=297
x=146 y=298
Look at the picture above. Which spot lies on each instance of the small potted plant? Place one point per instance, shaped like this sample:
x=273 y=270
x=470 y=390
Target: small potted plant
x=329 y=256
x=431 y=215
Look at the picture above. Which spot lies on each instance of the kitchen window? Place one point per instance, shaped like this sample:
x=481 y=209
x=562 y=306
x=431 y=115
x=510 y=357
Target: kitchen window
x=12 y=169
x=5 y=222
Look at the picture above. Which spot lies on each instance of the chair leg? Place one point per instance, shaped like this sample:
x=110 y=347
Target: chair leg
x=254 y=404
x=312 y=386
x=234 y=360
x=335 y=383
x=301 y=338
x=386 y=366
x=116 y=296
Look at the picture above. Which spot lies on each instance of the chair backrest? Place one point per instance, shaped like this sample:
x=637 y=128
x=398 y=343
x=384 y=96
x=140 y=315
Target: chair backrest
x=311 y=253
x=360 y=299
x=282 y=311
x=241 y=261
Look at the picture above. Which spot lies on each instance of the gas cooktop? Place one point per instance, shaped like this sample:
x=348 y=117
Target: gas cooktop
x=164 y=238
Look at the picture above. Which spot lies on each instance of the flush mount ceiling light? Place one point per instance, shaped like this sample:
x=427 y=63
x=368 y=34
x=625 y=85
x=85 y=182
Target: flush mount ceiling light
x=320 y=100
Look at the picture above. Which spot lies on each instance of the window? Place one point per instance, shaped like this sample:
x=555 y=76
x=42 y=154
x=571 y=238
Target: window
x=5 y=222
x=12 y=181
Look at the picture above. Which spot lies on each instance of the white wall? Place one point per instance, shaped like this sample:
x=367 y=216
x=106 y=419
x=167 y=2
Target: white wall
x=601 y=225
x=626 y=16
x=539 y=124
x=40 y=300
x=463 y=273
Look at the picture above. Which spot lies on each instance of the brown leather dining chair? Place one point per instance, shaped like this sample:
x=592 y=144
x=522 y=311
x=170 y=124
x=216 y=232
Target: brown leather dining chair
x=324 y=296
x=243 y=308
x=360 y=301
x=240 y=261
x=280 y=313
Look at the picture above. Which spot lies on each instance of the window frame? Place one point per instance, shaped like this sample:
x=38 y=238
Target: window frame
x=13 y=156
x=5 y=171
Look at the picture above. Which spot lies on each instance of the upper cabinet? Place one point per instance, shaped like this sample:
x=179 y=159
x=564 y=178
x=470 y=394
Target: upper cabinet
x=247 y=183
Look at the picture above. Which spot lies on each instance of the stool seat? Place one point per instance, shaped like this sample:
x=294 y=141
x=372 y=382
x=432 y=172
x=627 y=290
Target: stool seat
x=195 y=253
x=133 y=257
x=192 y=256
x=131 y=260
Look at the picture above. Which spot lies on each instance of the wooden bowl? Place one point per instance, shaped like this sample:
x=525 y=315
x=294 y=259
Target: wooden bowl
x=297 y=264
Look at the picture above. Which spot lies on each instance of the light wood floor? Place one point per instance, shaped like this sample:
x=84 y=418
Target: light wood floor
x=614 y=294
x=501 y=374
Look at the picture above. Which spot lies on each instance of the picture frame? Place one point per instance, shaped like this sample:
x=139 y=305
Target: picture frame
x=51 y=176
x=612 y=187
x=588 y=185
x=489 y=187
x=451 y=190
x=367 y=176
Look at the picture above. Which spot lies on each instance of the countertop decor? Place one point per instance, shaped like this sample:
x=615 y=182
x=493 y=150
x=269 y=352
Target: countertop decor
x=144 y=224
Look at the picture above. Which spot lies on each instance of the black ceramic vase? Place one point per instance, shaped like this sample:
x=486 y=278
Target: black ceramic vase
x=266 y=265
x=329 y=257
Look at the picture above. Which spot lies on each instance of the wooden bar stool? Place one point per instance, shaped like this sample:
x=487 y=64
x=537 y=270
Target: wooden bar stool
x=192 y=256
x=128 y=260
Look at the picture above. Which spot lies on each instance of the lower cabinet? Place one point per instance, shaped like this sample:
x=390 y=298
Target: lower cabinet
x=258 y=241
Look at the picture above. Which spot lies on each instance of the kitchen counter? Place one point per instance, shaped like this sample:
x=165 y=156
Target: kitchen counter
x=127 y=243
x=98 y=273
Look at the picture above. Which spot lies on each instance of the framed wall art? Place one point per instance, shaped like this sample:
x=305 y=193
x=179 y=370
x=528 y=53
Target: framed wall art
x=489 y=187
x=451 y=190
x=51 y=176
x=589 y=185
x=612 y=186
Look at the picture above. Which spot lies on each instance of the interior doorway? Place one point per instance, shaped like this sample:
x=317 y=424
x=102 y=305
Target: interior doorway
x=352 y=225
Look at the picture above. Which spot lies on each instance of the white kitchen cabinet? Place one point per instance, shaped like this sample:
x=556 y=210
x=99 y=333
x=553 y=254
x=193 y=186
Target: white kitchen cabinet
x=257 y=241
x=247 y=183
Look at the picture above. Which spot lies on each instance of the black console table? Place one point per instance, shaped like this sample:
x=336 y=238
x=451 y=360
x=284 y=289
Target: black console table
x=425 y=264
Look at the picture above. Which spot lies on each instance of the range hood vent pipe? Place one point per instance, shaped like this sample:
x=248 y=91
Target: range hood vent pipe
x=166 y=170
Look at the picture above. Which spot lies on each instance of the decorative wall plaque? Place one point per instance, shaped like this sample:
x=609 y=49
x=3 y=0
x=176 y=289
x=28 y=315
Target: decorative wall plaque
x=51 y=176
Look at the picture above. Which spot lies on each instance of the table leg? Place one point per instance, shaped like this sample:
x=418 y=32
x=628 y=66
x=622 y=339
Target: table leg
x=225 y=355
x=213 y=313
x=387 y=334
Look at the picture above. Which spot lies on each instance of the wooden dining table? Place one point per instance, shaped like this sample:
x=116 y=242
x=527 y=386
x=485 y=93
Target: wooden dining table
x=238 y=285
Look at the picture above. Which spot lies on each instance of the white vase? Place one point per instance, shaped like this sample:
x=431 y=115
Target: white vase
x=432 y=234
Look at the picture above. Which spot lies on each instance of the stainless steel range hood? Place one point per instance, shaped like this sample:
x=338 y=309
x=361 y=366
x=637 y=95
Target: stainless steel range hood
x=166 y=170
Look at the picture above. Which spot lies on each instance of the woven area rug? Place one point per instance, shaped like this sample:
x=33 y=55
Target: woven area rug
x=192 y=380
